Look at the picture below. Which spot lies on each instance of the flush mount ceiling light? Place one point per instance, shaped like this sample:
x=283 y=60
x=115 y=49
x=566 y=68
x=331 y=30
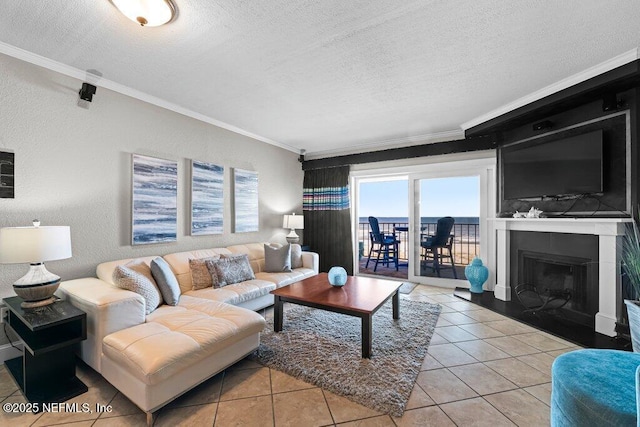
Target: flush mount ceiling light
x=147 y=13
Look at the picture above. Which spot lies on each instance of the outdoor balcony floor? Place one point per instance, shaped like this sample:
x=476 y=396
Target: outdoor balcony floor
x=403 y=272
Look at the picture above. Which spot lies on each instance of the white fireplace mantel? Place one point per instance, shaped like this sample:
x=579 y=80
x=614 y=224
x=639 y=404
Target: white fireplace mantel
x=609 y=232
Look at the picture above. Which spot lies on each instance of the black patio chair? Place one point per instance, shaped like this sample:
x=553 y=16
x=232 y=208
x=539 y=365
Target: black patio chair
x=385 y=245
x=433 y=246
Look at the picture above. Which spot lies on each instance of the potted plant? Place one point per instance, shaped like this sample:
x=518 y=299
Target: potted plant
x=631 y=266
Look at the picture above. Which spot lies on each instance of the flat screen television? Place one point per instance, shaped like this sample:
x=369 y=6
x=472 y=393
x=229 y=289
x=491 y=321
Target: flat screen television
x=569 y=166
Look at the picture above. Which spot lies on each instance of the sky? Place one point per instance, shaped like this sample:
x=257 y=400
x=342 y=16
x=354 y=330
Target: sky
x=457 y=197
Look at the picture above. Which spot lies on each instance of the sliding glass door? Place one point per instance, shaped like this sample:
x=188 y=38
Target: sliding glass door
x=408 y=203
x=448 y=225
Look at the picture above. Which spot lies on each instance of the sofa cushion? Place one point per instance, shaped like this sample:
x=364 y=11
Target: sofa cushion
x=179 y=337
x=201 y=276
x=277 y=260
x=127 y=278
x=296 y=256
x=104 y=271
x=284 y=278
x=166 y=281
x=179 y=262
x=236 y=293
x=255 y=252
x=143 y=268
x=233 y=269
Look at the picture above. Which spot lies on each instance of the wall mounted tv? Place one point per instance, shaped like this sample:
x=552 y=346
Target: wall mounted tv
x=562 y=167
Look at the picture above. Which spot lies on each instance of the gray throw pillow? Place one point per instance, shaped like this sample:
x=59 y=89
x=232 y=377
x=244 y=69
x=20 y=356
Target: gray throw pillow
x=166 y=281
x=234 y=269
x=131 y=280
x=277 y=260
x=296 y=255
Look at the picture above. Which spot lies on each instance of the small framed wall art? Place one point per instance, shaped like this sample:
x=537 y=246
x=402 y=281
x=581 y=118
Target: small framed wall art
x=7 y=161
x=155 y=200
x=207 y=198
x=245 y=197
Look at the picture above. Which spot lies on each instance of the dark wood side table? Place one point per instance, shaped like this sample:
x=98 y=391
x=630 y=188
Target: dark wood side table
x=47 y=371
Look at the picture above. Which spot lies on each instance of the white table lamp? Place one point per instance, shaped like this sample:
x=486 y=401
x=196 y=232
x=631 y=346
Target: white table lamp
x=35 y=245
x=292 y=222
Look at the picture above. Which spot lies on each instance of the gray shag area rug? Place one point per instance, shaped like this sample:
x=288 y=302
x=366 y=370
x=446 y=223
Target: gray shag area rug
x=325 y=349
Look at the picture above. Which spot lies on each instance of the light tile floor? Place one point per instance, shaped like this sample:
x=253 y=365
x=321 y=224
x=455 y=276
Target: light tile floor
x=481 y=369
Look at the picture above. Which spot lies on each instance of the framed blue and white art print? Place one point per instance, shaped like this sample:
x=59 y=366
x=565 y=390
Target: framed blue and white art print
x=245 y=188
x=207 y=198
x=155 y=200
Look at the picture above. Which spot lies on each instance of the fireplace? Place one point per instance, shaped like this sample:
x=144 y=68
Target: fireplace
x=568 y=278
x=603 y=242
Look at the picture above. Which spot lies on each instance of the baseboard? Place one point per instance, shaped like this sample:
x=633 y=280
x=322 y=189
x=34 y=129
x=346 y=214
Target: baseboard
x=8 y=352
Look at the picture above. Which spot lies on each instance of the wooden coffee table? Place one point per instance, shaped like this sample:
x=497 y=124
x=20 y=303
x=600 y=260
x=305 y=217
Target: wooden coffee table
x=360 y=297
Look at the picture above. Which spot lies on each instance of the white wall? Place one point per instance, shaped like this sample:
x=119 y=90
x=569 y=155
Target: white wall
x=73 y=167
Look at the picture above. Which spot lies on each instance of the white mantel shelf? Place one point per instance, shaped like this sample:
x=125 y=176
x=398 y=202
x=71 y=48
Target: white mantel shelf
x=609 y=232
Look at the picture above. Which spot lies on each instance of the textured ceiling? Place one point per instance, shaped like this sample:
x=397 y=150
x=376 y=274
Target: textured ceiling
x=333 y=75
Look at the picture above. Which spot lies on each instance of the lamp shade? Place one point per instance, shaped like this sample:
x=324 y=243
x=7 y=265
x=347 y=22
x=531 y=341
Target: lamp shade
x=34 y=244
x=293 y=222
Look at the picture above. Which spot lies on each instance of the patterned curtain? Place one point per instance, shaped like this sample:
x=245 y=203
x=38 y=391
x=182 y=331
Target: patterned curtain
x=327 y=218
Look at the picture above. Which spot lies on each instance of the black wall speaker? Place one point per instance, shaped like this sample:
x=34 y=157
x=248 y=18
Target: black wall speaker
x=547 y=124
x=609 y=102
x=87 y=91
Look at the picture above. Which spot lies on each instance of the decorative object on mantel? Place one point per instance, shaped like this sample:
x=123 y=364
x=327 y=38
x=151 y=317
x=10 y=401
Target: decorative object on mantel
x=147 y=13
x=7 y=161
x=155 y=200
x=337 y=276
x=630 y=257
x=35 y=245
x=476 y=274
x=292 y=222
x=533 y=213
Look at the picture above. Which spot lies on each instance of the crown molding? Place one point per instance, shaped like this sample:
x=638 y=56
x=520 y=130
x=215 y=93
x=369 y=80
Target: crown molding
x=76 y=73
x=565 y=83
x=387 y=144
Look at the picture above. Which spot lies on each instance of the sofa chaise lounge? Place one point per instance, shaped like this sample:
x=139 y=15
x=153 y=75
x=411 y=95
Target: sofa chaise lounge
x=154 y=358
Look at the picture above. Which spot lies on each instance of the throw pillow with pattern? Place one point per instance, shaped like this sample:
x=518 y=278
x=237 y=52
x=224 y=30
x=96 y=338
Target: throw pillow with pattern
x=201 y=277
x=131 y=280
x=234 y=269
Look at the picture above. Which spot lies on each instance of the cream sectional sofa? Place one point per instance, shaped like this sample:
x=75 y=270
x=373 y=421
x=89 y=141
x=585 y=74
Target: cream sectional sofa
x=154 y=358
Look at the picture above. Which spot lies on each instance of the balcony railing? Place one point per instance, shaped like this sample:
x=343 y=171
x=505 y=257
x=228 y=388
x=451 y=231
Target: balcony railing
x=466 y=241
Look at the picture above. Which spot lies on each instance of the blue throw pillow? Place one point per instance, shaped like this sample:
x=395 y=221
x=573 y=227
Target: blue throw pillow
x=166 y=281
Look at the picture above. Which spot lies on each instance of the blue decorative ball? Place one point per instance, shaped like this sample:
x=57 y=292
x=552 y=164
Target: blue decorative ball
x=337 y=276
x=476 y=274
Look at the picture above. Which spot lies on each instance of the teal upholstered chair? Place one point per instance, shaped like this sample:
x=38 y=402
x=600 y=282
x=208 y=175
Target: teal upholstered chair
x=595 y=388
